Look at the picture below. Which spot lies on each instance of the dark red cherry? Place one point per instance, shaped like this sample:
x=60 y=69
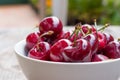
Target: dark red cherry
x=57 y=49
x=51 y=24
x=93 y=40
x=102 y=40
x=32 y=39
x=63 y=35
x=109 y=37
x=99 y=57
x=86 y=28
x=112 y=50
x=79 y=52
x=40 y=51
x=76 y=36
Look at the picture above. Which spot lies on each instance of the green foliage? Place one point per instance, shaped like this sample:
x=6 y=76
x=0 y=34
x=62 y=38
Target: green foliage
x=111 y=12
x=34 y=2
x=86 y=10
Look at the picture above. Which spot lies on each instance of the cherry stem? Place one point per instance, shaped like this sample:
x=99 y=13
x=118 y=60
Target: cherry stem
x=105 y=26
x=95 y=23
x=76 y=30
x=44 y=34
x=89 y=31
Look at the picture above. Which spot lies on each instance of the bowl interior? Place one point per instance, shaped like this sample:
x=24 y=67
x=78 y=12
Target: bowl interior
x=20 y=48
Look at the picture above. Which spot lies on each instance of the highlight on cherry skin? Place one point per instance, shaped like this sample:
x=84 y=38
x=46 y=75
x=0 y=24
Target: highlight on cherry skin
x=86 y=43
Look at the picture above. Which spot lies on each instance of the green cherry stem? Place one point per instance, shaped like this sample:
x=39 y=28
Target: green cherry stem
x=104 y=27
x=76 y=30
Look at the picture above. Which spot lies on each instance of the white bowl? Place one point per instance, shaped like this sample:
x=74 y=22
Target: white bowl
x=48 y=70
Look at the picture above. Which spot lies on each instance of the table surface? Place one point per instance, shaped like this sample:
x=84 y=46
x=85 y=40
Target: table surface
x=9 y=66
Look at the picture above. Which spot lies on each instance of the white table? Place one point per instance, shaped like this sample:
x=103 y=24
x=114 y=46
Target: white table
x=9 y=67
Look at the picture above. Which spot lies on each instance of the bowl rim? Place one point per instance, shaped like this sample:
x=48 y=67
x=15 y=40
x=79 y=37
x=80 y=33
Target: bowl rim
x=60 y=63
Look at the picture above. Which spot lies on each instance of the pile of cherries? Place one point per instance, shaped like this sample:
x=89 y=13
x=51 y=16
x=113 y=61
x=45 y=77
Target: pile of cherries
x=85 y=44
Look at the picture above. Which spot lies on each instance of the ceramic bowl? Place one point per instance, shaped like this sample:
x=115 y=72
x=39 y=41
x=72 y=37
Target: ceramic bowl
x=48 y=70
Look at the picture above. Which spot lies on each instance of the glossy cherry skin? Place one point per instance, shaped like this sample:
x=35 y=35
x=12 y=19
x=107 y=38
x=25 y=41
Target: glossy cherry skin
x=32 y=39
x=62 y=35
x=57 y=49
x=76 y=36
x=102 y=40
x=51 y=24
x=99 y=57
x=93 y=40
x=40 y=51
x=87 y=27
x=109 y=37
x=80 y=51
x=112 y=50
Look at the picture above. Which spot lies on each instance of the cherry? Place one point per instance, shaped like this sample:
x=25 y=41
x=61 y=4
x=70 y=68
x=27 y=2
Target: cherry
x=32 y=39
x=40 y=51
x=74 y=36
x=85 y=44
x=109 y=37
x=51 y=23
x=36 y=37
x=112 y=50
x=99 y=57
x=86 y=28
x=57 y=49
x=79 y=51
x=77 y=33
x=48 y=37
x=102 y=40
x=63 y=35
x=93 y=40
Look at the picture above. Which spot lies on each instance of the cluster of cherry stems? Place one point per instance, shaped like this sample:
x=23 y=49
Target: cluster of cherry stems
x=84 y=44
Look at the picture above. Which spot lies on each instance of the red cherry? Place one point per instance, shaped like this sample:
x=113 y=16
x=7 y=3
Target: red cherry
x=57 y=49
x=109 y=37
x=99 y=57
x=75 y=36
x=51 y=24
x=32 y=39
x=102 y=40
x=63 y=35
x=36 y=37
x=40 y=51
x=80 y=51
x=86 y=28
x=112 y=50
x=93 y=40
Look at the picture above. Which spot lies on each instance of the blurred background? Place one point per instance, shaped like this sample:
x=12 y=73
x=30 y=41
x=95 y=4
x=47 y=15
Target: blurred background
x=30 y=12
x=18 y=18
